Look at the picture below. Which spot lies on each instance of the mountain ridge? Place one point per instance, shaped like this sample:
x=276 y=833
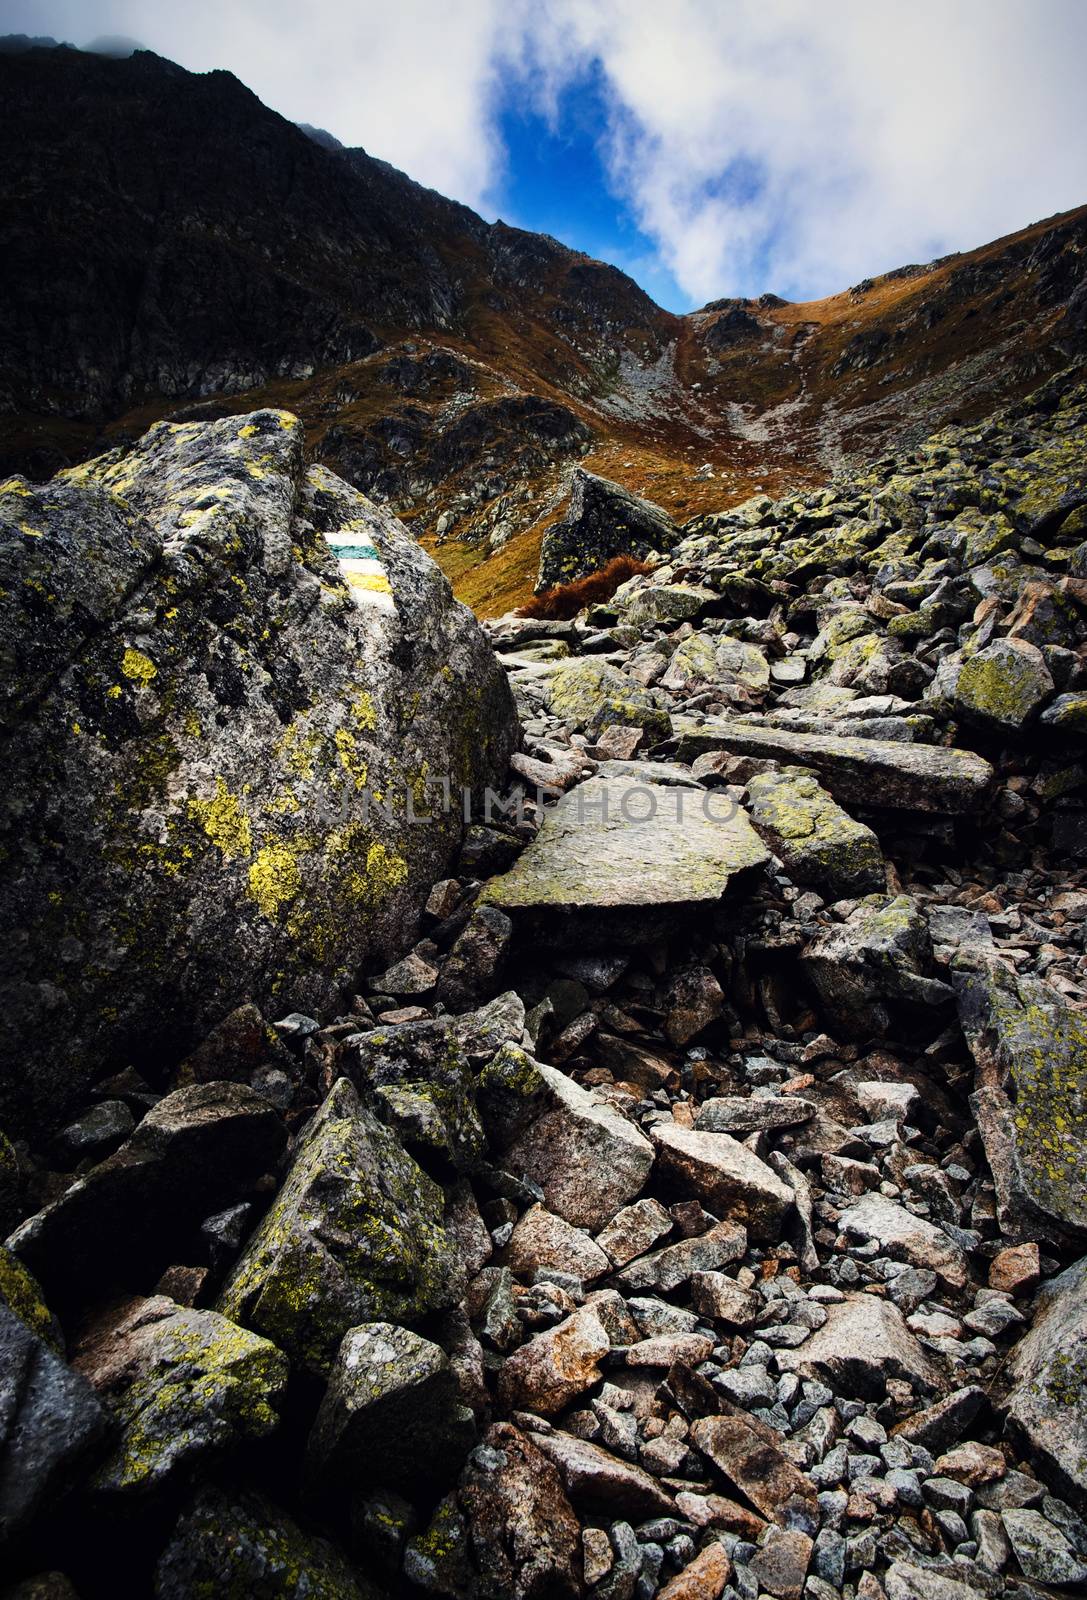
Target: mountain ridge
x=455 y=368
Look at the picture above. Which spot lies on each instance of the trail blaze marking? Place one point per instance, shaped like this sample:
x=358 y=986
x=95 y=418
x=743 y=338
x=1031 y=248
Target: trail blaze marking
x=361 y=566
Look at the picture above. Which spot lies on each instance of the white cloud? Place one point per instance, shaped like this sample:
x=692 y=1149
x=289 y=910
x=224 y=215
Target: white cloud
x=874 y=133
x=789 y=144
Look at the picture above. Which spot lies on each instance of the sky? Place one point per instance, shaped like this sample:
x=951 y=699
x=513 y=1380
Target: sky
x=708 y=147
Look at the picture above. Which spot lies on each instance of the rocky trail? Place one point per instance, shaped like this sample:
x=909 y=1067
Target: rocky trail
x=687 y=1200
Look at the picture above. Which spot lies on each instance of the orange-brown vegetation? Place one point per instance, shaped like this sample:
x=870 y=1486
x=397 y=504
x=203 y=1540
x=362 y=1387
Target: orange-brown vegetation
x=565 y=600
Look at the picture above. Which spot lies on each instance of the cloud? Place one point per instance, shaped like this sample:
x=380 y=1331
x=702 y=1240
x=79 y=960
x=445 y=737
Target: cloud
x=783 y=144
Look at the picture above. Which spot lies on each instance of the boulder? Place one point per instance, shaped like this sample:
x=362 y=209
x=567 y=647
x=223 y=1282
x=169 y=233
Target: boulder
x=1002 y=687
x=904 y=1237
x=52 y=1425
x=671 y=1266
x=1030 y=1049
x=525 y=1536
x=585 y=1156
x=555 y=1367
x=728 y=1177
x=603 y=520
x=137 y=1212
x=390 y=1414
x=863 y=1342
x=182 y=1386
x=597 y=1481
x=1047 y=1375
x=206 y=696
x=818 y=843
x=871 y=962
x=617 y=861
x=867 y=772
x=591 y=695
x=752 y=1113
x=417 y=1077
x=749 y=1455
x=354 y=1235
x=235 y=1544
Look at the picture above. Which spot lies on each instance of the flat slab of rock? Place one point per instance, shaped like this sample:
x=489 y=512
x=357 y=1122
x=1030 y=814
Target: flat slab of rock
x=354 y=1235
x=819 y=843
x=728 y=1177
x=749 y=1455
x=863 y=1342
x=1047 y=1400
x=597 y=1481
x=614 y=857
x=586 y=1157
x=1030 y=1048
x=752 y=1113
x=869 y=772
x=905 y=1237
x=672 y=1265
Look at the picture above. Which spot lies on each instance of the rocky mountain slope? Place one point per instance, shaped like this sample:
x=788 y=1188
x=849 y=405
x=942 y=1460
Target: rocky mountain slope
x=693 y=1208
x=174 y=248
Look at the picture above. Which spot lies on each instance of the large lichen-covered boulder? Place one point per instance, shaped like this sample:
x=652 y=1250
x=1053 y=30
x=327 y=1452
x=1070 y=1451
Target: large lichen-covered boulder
x=237 y=1545
x=355 y=1235
x=1047 y=1398
x=213 y=658
x=182 y=1386
x=819 y=843
x=872 y=965
x=1030 y=1048
x=592 y=695
x=603 y=520
x=1000 y=688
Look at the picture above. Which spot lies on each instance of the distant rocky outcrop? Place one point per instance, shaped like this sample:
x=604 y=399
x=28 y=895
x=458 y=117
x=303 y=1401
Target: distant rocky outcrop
x=603 y=520
x=199 y=701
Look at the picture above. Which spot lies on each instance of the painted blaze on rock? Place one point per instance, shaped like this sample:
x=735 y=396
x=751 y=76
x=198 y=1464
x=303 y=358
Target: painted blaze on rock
x=198 y=697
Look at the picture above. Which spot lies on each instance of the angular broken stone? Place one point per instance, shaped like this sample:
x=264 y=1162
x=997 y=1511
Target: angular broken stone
x=1047 y=1373
x=752 y=1113
x=540 y=1239
x=634 y=1230
x=586 y=1157
x=355 y=1234
x=617 y=859
x=597 y=1481
x=904 y=1237
x=182 y=1386
x=863 y=1342
x=749 y=1455
x=704 y=1578
x=1031 y=1103
x=726 y=1176
x=525 y=1535
x=552 y=1369
x=719 y=1297
x=874 y=959
x=390 y=1413
x=818 y=842
x=136 y=1212
x=694 y=1000
x=869 y=772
